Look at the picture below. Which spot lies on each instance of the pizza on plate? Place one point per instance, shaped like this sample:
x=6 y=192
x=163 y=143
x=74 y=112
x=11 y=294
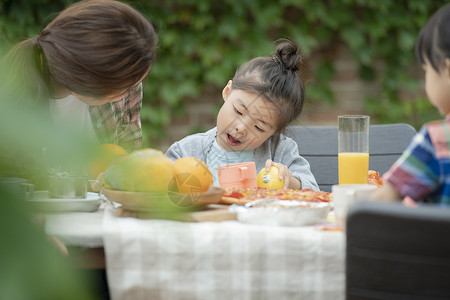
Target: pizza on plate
x=375 y=178
x=245 y=195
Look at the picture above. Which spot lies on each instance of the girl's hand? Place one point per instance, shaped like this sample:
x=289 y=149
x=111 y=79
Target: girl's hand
x=290 y=182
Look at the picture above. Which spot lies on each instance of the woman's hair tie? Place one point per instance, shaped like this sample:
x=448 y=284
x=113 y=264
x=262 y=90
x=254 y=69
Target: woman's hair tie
x=35 y=42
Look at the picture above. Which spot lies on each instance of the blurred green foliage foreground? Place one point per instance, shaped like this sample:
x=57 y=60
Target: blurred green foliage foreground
x=203 y=41
x=31 y=267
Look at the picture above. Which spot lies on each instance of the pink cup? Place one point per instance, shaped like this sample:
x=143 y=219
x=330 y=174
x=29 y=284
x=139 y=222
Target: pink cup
x=241 y=175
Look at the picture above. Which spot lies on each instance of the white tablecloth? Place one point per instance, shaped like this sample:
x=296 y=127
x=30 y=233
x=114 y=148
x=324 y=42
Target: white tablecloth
x=82 y=229
x=159 y=259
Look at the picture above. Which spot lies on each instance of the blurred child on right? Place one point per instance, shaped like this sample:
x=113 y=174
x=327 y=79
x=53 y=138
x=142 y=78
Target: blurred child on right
x=422 y=173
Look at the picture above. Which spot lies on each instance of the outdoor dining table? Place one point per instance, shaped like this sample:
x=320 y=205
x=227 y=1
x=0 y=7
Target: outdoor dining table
x=164 y=259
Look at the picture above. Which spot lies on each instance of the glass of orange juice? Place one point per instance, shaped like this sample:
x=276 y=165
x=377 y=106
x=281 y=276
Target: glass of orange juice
x=353 y=149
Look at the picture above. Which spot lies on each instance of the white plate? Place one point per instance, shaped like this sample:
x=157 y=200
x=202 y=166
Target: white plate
x=44 y=204
x=282 y=212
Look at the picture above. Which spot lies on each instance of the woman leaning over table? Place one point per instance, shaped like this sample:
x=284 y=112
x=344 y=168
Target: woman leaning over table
x=89 y=64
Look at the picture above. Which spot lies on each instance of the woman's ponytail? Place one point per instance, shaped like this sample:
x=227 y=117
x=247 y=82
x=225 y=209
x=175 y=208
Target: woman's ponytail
x=28 y=71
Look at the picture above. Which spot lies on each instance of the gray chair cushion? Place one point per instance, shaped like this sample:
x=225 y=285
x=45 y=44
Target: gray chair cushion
x=397 y=252
x=319 y=146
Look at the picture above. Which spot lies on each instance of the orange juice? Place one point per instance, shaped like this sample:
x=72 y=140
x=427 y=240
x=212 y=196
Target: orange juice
x=353 y=167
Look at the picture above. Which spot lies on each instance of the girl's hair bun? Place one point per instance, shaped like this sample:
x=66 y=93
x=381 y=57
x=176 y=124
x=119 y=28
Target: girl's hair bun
x=287 y=53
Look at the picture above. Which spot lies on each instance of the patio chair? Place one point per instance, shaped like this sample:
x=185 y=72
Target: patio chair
x=319 y=146
x=397 y=252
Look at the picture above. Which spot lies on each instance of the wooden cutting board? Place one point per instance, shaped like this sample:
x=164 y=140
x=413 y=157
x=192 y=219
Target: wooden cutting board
x=210 y=213
x=213 y=213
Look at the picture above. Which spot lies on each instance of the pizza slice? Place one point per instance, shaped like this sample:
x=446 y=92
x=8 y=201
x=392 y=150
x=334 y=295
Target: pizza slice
x=243 y=196
x=375 y=178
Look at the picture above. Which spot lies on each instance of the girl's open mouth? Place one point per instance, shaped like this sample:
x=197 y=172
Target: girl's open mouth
x=232 y=141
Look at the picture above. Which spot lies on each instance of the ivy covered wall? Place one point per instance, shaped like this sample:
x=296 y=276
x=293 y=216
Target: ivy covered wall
x=202 y=42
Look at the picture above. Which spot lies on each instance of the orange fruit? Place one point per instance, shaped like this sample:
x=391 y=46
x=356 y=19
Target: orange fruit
x=103 y=156
x=145 y=170
x=269 y=179
x=191 y=175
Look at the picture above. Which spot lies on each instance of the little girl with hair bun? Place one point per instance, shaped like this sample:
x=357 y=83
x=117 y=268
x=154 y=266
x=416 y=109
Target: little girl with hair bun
x=264 y=96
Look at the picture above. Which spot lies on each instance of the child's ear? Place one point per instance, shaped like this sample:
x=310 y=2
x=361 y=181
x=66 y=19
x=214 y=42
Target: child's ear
x=226 y=90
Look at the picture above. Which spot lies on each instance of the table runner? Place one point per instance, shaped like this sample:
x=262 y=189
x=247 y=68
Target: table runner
x=161 y=259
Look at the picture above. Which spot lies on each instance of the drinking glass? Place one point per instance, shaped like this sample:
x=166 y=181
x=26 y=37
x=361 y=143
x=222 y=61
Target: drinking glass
x=68 y=186
x=353 y=149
